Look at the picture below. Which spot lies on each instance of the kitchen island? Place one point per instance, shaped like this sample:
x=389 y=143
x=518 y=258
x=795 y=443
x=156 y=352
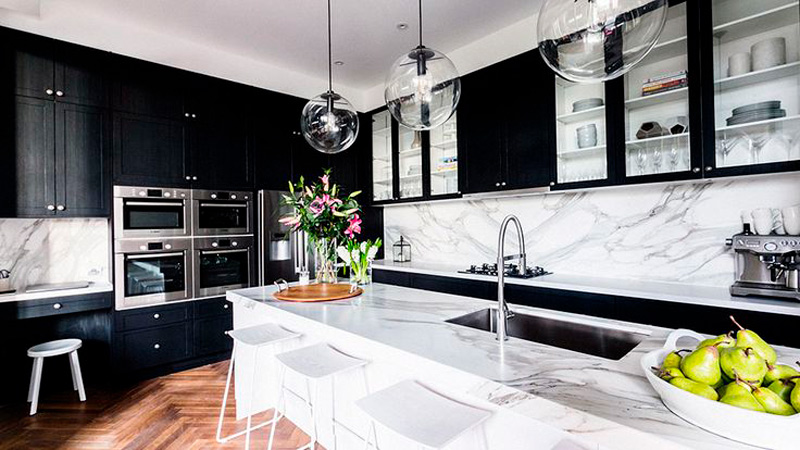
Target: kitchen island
x=541 y=395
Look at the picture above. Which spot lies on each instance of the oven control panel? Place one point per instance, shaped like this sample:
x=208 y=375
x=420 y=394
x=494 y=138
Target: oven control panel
x=150 y=192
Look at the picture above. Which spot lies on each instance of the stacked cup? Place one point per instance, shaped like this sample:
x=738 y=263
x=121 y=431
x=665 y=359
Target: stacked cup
x=766 y=221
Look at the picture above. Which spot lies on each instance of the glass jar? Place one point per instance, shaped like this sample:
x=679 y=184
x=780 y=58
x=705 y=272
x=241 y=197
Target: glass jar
x=325 y=260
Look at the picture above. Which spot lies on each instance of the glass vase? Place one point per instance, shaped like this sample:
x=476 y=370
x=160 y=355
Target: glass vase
x=361 y=274
x=325 y=260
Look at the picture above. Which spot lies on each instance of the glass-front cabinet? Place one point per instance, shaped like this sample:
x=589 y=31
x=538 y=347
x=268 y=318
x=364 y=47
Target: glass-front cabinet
x=410 y=165
x=581 y=142
x=756 y=84
x=657 y=112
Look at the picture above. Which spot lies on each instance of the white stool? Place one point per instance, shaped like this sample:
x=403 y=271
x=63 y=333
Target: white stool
x=317 y=363
x=54 y=348
x=256 y=336
x=421 y=415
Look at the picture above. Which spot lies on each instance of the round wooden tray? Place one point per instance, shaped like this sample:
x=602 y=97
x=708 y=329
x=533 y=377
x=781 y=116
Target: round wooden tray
x=322 y=292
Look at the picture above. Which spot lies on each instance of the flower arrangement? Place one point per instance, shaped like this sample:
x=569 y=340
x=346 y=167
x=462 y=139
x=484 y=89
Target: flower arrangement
x=359 y=257
x=325 y=216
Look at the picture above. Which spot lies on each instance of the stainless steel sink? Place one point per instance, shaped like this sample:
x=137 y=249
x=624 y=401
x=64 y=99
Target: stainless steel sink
x=584 y=338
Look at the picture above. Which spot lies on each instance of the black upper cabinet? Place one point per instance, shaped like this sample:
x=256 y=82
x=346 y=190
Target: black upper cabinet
x=64 y=72
x=507 y=141
x=270 y=137
x=149 y=89
x=149 y=151
x=61 y=160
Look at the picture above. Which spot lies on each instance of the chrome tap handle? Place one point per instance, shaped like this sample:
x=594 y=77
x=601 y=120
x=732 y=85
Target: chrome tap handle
x=281 y=284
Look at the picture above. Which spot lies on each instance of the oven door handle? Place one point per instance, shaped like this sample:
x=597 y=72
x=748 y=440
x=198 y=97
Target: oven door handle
x=218 y=252
x=153 y=204
x=153 y=255
x=223 y=205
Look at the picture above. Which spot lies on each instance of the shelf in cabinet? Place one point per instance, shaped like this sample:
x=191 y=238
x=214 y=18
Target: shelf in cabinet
x=445 y=173
x=383 y=160
x=580 y=116
x=382 y=131
x=411 y=177
x=761 y=76
x=758 y=23
x=382 y=181
x=754 y=126
x=446 y=145
x=410 y=152
x=637 y=143
x=667 y=49
x=578 y=152
x=655 y=99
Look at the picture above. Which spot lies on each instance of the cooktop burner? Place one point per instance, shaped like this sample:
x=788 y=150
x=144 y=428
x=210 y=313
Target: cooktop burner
x=511 y=271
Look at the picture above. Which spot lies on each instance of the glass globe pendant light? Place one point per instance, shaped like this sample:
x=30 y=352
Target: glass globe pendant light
x=589 y=41
x=329 y=122
x=423 y=87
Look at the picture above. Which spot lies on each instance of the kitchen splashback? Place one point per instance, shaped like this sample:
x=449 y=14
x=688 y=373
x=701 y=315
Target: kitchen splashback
x=43 y=251
x=672 y=233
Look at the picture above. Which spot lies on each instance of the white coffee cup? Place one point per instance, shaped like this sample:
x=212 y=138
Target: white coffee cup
x=777 y=222
x=762 y=221
x=791 y=220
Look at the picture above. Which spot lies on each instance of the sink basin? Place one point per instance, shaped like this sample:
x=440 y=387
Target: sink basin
x=594 y=340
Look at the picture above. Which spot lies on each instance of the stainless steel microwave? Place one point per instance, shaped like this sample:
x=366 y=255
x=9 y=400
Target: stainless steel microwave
x=144 y=212
x=221 y=213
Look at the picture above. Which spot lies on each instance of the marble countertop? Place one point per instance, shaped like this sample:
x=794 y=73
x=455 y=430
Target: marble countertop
x=608 y=402
x=93 y=288
x=654 y=290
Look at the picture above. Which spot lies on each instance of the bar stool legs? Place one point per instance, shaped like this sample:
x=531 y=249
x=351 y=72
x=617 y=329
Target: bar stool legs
x=77 y=378
x=36 y=381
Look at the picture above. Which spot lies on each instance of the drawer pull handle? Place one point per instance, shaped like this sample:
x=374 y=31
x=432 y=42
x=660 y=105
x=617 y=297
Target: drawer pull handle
x=156 y=316
x=225 y=306
x=157 y=346
x=56 y=305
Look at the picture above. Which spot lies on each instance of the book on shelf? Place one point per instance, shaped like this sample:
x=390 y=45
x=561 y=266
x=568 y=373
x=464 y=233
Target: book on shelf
x=667 y=76
x=665 y=83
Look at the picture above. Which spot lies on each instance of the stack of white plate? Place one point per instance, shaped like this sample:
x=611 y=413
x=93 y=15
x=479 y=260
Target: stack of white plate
x=756 y=112
x=587 y=103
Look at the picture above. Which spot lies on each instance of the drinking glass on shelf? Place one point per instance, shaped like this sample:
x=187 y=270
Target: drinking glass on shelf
x=674 y=158
x=726 y=146
x=757 y=141
x=657 y=158
x=641 y=160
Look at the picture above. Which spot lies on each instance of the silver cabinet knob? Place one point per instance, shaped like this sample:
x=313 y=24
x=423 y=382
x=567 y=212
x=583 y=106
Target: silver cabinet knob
x=497 y=184
x=552 y=183
x=226 y=306
x=696 y=170
x=194 y=116
x=709 y=168
x=503 y=183
x=56 y=305
x=51 y=207
x=48 y=91
x=156 y=316
x=194 y=178
x=60 y=207
x=157 y=346
x=59 y=93
x=188 y=178
x=186 y=114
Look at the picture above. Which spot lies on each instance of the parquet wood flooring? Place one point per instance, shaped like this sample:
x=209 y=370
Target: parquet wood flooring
x=178 y=411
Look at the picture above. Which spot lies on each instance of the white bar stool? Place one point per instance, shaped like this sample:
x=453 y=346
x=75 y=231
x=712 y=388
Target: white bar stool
x=421 y=415
x=257 y=336
x=317 y=362
x=54 y=348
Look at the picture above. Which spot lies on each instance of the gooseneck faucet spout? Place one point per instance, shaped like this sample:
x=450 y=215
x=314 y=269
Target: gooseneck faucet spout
x=503 y=312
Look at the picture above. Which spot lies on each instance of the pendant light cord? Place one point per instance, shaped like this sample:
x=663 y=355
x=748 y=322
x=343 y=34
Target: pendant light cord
x=420 y=23
x=330 y=52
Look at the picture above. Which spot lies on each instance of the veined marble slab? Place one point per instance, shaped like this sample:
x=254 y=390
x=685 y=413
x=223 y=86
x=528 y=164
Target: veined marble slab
x=664 y=232
x=609 y=403
x=654 y=290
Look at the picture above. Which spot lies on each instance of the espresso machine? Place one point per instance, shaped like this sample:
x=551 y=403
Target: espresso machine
x=766 y=265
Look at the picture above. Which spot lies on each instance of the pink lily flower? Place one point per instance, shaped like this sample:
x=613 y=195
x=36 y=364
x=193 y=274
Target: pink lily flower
x=325 y=180
x=316 y=206
x=354 y=227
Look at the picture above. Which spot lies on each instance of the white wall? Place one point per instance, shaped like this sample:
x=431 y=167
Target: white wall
x=670 y=232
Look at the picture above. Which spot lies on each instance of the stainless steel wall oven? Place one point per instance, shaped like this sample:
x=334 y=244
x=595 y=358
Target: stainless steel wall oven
x=216 y=213
x=152 y=271
x=223 y=263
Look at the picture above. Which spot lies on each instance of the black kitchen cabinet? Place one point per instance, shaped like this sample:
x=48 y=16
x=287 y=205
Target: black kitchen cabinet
x=271 y=132
x=60 y=160
x=149 y=151
x=148 y=89
x=507 y=140
x=48 y=69
x=220 y=155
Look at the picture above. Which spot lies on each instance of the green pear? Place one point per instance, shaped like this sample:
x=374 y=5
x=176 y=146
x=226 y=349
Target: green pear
x=783 y=388
x=772 y=402
x=745 y=401
x=668 y=373
x=721 y=341
x=702 y=365
x=672 y=360
x=744 y=363
x=779 y=372
x=734 y=388
x=748 y=338
x=695 y=388
x=795 y=397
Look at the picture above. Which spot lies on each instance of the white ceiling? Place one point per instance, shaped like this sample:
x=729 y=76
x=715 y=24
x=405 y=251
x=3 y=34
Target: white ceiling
x=281 y=39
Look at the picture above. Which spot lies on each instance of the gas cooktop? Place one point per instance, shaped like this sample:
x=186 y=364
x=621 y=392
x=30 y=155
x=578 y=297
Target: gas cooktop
x=511 y=271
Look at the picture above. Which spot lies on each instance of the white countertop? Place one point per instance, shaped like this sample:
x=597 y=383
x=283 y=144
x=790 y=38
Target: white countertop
x=653 y=290
x=608 y=402
x=93 y=288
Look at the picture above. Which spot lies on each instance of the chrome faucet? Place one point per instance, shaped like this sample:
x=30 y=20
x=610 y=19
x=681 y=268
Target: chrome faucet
x=503 y=312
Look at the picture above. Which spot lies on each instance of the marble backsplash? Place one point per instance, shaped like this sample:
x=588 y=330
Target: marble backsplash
x=43 y=251
x=667 y=232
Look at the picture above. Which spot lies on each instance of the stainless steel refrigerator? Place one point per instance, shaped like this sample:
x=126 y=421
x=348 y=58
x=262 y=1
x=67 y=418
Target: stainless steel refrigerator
x=281 y=253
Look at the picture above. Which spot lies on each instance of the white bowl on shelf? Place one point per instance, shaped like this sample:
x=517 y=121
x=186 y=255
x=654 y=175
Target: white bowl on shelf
x=750 y=427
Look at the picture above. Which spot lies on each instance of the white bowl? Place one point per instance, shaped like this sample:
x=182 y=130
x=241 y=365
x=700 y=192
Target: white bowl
x=754 y=428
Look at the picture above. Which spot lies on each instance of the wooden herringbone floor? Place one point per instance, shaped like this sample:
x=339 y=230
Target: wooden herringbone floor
x=178 y=411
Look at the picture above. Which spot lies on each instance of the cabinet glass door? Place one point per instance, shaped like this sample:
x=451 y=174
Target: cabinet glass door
x=444 y=158
x=657 y=105
x=382 y=185
x=756 y=81
x=581 y=132
x=410 y=162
